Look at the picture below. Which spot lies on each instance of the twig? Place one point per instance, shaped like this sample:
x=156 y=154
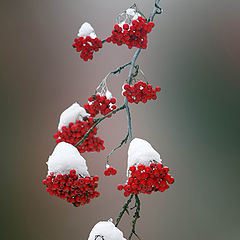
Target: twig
x=113 y=72
x=125 y=209
x=135 y=56
x=156 y=10
x=136 y=217
x=122 y=142
x=97 y=121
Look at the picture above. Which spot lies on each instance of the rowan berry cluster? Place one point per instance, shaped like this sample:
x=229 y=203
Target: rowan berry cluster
x=140 y=92
x=76 y=190
x=147 y=179
x=87 y=46
x=134 y=35
x=75 y=132
x=110 y=171
x=100 y=104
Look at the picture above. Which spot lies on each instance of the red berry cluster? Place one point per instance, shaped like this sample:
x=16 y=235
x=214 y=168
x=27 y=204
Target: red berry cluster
x=75 y=132
x=134 y=35
x=110 y=171
x=140 y=92
x=74 y=189
x=100 y=104
x=87 y=46
x=147 y=179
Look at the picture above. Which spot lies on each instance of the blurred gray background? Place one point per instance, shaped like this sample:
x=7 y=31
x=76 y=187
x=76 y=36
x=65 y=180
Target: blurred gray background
x=193 y=55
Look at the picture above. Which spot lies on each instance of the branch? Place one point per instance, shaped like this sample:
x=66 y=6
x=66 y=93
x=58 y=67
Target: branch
x=113 y=72
x=156 y=10
x=135 y=56
x=122 y=142
x=125 y=209
x=97 y=121
x=136 y=216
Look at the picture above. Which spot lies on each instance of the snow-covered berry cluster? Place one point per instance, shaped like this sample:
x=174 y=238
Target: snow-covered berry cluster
x=87 y=46
x=133 y=35
x=147 y=179
x=100 y=104
x=110 y=171
x=140 y=92
x=87 y=42
x=74 y=132
x=146 y=173
x=75 y=189
x=68 y=177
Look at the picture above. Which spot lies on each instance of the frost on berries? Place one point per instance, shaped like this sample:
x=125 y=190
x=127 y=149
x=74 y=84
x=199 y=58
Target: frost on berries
x=140 y=92
x=68 y=176
x=105 y=230
x=87 y=42
x=72 y=130
x=146 y=173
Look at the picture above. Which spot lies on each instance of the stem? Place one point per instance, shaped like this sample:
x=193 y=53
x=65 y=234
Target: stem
x=136 y=216
x=135 y=56
x=156 y=10
x=113 y=72
x=125 y=208
x=97 y=122
x=122 y=142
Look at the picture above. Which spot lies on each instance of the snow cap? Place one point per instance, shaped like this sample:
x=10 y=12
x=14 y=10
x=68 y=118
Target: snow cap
x=128 y=16
x=108 y=94
x=141 y=152
x=86 y=30
x=72 y=114
x=65 y=157
x=105 y=230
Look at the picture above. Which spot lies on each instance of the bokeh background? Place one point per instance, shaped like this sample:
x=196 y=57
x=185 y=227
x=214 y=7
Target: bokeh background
x=193 y=54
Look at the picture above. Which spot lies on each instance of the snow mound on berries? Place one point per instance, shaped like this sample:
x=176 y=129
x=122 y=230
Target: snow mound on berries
x=141 y=152
x=65 y=157
x=108 y=94
x=105 y=230
x=132 y=15
x=86 y=30
x=72 y=114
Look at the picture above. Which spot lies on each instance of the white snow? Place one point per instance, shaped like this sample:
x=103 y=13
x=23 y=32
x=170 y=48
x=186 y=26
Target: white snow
x=86 y=30
x=72 y=114
x=64 y=158
x=141 y=152
x=131 y=14
x=108 y=94
x=105 y=230
x=131 y=11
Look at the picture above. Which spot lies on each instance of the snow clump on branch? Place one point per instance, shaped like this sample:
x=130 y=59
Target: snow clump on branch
x=141 y=152
x=64 y=158
x=86 y=30
x=72 y=114
x=105 y=230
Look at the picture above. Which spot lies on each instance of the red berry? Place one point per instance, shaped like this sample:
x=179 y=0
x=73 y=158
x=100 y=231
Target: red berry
x=120 y=187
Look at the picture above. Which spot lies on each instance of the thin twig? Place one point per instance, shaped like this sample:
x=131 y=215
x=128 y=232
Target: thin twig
x=156 y=10
x=136 y=217
x=125 y=209
x=113 y=72
x=97 y=121
x=122 y=142
x=135 y=56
